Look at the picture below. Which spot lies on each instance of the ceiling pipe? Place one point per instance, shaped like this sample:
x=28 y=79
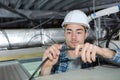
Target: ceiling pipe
x=23 y=38
x=104 y=12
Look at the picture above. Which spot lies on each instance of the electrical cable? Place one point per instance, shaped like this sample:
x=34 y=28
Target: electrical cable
x=113 y=32
x=39 y=35
x=115 y=45
x=43 y=23
x=40 y=31
x=106 y=28
x=31 y=77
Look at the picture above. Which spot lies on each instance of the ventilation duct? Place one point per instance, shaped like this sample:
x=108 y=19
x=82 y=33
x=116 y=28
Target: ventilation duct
x=30 y=37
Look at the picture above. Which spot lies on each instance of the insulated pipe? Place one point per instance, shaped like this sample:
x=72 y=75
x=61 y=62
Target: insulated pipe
x=30 y=37
x=104 y=12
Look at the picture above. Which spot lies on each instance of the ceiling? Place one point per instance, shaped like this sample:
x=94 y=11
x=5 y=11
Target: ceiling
x=48 y=13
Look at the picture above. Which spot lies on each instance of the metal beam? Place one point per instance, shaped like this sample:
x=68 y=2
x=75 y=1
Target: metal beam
x=29 y=4
x=39 y=14
x=62 y=4
x=52 y=4
x=32 y=14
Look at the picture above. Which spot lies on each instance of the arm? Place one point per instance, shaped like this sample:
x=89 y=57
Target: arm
x=89 y=52
x=45 y=70
x=106 y=52
x=53 y=54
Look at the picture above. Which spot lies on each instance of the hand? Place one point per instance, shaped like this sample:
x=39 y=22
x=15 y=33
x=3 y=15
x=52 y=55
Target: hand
x=88 y=52
x=53 y=54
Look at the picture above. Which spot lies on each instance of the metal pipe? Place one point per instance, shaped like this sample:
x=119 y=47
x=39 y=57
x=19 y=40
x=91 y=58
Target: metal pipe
x=104 y=12
x=17 y=38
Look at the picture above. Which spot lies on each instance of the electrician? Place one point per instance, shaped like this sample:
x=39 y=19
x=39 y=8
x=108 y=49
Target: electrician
x=76 y=28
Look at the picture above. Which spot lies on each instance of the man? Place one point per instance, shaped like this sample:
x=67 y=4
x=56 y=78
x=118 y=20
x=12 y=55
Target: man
x=82 y=54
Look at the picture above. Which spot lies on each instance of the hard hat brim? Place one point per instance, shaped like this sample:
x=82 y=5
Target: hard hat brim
x=84 y=25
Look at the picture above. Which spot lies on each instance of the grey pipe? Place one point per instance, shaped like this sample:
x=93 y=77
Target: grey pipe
x=30 y=37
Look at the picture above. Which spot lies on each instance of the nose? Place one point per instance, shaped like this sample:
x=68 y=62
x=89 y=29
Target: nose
x=73 y=35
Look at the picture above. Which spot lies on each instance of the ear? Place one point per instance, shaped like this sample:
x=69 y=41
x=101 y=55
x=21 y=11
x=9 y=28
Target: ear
x=86 y=34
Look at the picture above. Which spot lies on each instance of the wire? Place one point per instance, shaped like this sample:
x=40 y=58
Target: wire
x=110 y=37
x=39 y=35
x=40 y=31
x=31 y=77
x=40 y=25
x=115 y=45
x=43 y=23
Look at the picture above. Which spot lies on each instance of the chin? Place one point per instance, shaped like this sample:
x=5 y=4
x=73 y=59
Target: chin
x=72 y=46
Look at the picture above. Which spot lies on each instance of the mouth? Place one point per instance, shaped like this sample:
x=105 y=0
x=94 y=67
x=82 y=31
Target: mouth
x=74 y=42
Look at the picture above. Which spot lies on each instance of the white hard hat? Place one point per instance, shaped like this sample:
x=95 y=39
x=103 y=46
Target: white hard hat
x=76 y=16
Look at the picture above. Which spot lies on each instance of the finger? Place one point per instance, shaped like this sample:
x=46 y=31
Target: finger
x=93 y=55
x=57 y=49
x=50 y=56
x=53 y=52
x=88 y=53
x=83 y=53
x=45 y=55
x=78 y=49
x=88 y=57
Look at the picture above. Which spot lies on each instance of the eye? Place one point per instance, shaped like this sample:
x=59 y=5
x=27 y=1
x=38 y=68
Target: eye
x=68 y=32
x=79 y=32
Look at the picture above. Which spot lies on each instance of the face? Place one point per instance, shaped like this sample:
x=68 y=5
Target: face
x=74 y=34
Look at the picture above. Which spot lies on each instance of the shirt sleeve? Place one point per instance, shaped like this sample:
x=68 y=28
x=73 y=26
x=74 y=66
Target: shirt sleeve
x=116 y=58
